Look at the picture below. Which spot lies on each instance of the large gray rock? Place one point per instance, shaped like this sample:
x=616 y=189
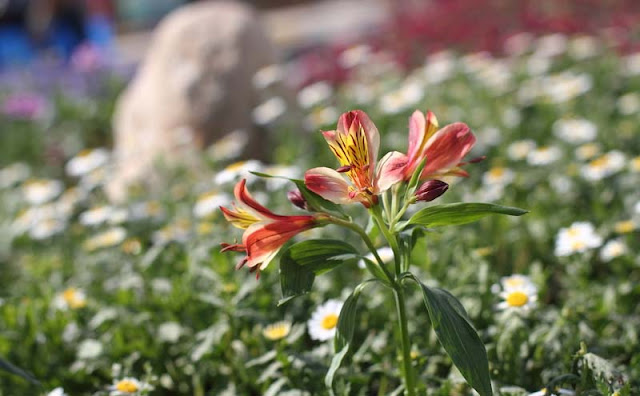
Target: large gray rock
x=193 y=87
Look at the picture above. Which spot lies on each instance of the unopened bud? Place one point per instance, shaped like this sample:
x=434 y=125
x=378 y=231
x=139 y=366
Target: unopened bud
x=296 y=198
x=430 y=190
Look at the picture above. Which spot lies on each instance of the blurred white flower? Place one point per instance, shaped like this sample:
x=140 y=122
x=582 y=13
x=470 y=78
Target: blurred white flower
x=566 y=86
x=354 y=56
x=46 y=228
x=39 y=191
x=13 y=174
x=277 y=331
x=57 y=392
x=498 y=175
x=169 y=332
x=511 y=117
x=575 y=130
x=385 y=253
x=551 y=45
x=587 y=151
x=276 y=183
x=178 y=231
x=230 y=146
x=209 y=203
x=89 y=349
x=87 y=161
x=146 y=210
x=71 y=298
x=612 y=249
x=544 y=155
x=267 y=76
x=105 y=239
x=267 y=112
x=584 y=47
x=578 y=238
x=96 y=216
x=439 y=67
x=603 y=166
x=518 y=44
x=324 y=320
x=537 y=66
x=631 y=64
x=314 y=94
x=237 y=171
x=322 y=116
x=520 y=149
x=403 y=98
x=629 y=103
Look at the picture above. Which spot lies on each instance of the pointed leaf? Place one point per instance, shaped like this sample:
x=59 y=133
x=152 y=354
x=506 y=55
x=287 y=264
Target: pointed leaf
x=295 y=280
x=459 y=213
x=322 y=255
x=458 y=337
x=12 y=369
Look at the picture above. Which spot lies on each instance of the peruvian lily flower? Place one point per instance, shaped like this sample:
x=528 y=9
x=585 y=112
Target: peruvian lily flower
x=355 y=143
x=444 y=148
x=265 y=232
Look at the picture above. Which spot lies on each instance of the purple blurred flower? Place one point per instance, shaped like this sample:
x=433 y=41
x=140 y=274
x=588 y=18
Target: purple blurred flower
x=26 y=106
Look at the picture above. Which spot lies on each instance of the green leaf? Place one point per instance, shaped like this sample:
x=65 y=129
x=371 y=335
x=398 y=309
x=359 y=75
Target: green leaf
x=459 y=213
x=300 y=264
x=12 y=369
x=322 y=255
x=344 y=332
x=458 y=337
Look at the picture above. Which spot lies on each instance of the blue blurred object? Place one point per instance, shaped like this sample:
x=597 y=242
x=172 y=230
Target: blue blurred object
x=15 y=46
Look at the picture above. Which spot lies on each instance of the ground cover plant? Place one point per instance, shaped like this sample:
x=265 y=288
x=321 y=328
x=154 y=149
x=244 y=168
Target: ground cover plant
x=105 y=298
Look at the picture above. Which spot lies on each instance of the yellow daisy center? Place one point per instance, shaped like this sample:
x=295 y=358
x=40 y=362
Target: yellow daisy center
x=329 y=322
x=497 y=172
x=84 y=153
x=577 y=245
x=517 y=299
x=127 y=386
x=236 y=165
x=599 y=162
x=635 y=164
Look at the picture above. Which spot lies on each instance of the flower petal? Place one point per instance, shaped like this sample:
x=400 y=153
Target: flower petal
x=263 y=240
x=390 y=170
x=328 y=183
x=421 y=129
x=248 y=203
x=446 y=148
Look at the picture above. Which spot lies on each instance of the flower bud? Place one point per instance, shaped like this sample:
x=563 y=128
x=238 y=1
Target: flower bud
x=296 y=198
x=430 y=190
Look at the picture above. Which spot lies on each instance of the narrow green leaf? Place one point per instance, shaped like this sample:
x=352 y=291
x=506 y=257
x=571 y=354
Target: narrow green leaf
x=344 y=331
x=300 y=264
x=12 y=369
x=460 y=213
x=458 y=337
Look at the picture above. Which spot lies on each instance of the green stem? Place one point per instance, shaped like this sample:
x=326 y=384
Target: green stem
x=358 y=230
x=393 y=243
x=409 y=384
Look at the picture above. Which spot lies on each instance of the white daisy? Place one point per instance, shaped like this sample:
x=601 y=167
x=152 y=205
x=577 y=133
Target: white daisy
x=89 y=349
x=518 y=298
x=575 y=130
x=518 y=43
x=560 y=88
x=515 y=282
x=169 y=332
x=578 y=238
x=322 y=116
x=237 y=171
x=439 y=67
x=520 y=149
x=146 y=210
x=128 y=386
x=39 y=191
x=583 y=47
x=267 y=112
x=96 y=216
x=13 y=174
x=557 y=392
x=178 y=231
x=511 y=117
x=324 y=320
x=603 y=166
x=385 y=253
x=354 y=56
x=612 y=249
x=544 y=155
x=551 y=45
x=276 y=183
x=209 y=203
x=314 y=94
x=87 y=161
x=631 y=64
